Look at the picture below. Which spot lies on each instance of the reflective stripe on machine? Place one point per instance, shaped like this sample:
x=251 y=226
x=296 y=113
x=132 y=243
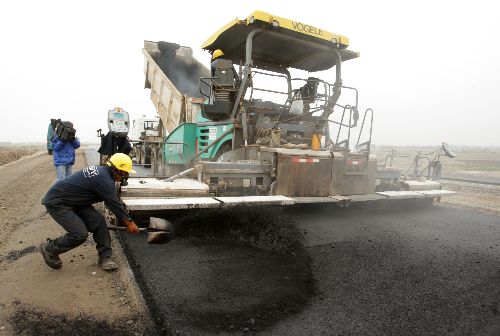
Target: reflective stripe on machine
x=302 y=160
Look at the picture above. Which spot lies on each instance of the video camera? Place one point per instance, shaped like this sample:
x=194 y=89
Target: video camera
x=63 y=129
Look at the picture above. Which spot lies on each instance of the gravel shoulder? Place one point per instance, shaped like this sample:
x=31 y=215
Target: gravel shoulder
x=35 y=299
x=481 y=197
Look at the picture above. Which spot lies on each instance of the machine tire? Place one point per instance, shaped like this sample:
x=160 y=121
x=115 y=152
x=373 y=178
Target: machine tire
x=136 y=155
x=147 y=156
x=155 y=161
x=140 y=155
x=161 y=162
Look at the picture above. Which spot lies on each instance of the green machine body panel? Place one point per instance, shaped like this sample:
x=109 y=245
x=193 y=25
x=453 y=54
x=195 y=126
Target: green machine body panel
x=180 y=144
x=188 y=139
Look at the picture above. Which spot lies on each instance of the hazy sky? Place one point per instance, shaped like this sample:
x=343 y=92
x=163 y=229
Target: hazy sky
x=429 y=69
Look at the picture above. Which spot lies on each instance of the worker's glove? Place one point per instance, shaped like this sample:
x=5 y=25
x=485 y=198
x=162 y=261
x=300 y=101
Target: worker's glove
x=132 y=227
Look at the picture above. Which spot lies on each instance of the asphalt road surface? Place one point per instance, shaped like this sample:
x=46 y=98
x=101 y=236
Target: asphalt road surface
x=316 y=270
x=355 y=271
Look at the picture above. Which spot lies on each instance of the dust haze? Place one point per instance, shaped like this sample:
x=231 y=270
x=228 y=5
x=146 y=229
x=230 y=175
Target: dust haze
x=428 y=69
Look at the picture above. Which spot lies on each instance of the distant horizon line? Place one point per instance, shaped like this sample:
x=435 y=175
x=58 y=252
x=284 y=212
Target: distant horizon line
x=376 y=145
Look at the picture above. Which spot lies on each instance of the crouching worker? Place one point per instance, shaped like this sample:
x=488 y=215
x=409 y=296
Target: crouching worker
x=69 y=202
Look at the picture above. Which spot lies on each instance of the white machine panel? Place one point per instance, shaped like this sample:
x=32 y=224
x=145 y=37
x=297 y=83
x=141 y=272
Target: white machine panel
x=145 y=204
x=402 y=194
x=257 y=200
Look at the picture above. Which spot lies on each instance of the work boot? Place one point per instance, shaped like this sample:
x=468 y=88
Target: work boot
x=52 y=260
x=107 y=264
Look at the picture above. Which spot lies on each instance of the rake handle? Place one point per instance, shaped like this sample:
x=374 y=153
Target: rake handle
x=124 y=228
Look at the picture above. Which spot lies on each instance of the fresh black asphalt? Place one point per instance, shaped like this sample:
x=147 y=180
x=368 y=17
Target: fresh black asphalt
x=375 y=271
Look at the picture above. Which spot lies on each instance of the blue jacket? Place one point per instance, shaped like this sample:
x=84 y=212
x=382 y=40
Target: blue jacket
x=64 y=151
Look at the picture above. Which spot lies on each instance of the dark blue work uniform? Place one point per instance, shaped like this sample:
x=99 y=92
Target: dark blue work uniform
x=69 y=202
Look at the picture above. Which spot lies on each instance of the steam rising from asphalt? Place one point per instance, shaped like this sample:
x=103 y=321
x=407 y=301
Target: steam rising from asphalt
x=183 y=71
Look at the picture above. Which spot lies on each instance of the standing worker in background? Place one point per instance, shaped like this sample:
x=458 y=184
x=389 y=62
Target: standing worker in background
x=63 y=149
x=50 y=135
x=69 y=202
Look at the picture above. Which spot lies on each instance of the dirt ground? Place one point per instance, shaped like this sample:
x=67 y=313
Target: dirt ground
x=469 y=162
x=79 y=299
x=13 y=153
x=472 y=195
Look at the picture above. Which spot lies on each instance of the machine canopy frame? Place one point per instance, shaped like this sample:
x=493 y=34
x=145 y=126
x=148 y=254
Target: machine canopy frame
x=281 y=43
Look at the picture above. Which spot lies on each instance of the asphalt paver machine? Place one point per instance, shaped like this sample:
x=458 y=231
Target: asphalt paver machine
x=252 y=133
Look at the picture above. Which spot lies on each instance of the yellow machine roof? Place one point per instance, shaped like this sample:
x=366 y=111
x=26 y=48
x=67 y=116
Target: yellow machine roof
x=282 y=42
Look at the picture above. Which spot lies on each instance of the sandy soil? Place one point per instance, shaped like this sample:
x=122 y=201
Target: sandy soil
x=14 y=153
x=36 y=300
x=473 y=195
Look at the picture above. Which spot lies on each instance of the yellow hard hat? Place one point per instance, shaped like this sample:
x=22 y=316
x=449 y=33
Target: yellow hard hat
x=217 y=53
x=121 y=162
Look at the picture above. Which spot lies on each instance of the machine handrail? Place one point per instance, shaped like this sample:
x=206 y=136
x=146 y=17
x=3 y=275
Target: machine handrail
x=368 y=142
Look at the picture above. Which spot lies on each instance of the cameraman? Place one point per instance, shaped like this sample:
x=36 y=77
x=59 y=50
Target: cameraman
x=64 y=152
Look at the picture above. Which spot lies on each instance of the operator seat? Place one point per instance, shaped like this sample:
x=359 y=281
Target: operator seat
x=225 y=84
x=225 y=75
